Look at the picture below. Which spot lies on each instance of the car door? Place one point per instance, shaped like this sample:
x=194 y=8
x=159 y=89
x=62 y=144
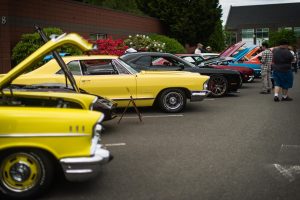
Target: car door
x=104 y=78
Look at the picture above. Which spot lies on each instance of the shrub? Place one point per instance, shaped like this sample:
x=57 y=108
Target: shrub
x=144 y=43
x=171 y=44
x=276 y=37
x=31 y=42
x=110 y=47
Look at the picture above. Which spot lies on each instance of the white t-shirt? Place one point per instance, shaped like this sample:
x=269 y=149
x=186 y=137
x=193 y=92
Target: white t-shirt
x=197 y=51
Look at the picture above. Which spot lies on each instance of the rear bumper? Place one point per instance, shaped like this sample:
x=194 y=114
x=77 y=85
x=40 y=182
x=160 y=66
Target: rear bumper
x=84 y=168
x=199 y=95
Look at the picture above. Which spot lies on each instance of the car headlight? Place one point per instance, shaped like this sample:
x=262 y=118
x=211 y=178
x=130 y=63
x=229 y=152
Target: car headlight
x=205 y=85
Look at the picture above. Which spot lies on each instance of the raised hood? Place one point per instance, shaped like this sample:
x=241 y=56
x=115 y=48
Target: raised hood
x=241 y=54
x=51 y=45
x=230 y=50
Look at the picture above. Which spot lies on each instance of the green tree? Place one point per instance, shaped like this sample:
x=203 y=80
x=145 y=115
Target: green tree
x=217 y=38
x=189 y=21
x=32 y=41
x=275 y=37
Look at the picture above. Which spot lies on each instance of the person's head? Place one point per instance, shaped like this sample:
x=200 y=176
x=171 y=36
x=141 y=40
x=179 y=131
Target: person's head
x=199 y=45
x=208 y=48
x=284 y=43
x=264 y=45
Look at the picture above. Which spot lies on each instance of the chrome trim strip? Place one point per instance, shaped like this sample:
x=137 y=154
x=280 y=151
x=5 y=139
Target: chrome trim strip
x=133 y=99
x=24 y=135
x=79 y=171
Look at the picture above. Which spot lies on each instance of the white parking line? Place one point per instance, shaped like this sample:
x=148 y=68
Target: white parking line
x=289 y=146
x=115 y=144
x=158 y=116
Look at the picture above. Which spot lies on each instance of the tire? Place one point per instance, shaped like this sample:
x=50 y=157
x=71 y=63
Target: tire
x=25 y=174
x=218 y=86
x=172 y=100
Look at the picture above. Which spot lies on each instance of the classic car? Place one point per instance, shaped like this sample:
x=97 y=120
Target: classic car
x=247 y=74
x=36 y=141
x=56 y=95
x=239 y=60
x=252 y=53
x=224 y=62
x=220 y=83
x=38 y=131
x=113 y=78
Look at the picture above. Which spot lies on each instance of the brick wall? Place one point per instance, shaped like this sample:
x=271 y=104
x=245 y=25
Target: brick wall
x=69 y=16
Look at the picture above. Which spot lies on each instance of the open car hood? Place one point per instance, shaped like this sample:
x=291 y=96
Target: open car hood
x=230 y=50
x=39 y=54
x=241 y=54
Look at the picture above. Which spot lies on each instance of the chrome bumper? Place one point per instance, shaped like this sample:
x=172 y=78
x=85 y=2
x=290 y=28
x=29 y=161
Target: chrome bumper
x=199 y=95
x=83 y=168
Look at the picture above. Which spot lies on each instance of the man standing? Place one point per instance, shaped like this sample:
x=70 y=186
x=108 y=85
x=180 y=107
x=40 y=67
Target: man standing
x=266 y=60
x=282 y=71
x=199 y=49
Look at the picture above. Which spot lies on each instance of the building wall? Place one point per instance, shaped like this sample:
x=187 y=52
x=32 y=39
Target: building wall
x=70 y=16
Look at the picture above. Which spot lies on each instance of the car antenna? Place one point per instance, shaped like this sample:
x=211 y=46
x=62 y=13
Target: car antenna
x=60 y=61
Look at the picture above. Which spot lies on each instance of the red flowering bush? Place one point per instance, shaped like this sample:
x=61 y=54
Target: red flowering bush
x=110 y=47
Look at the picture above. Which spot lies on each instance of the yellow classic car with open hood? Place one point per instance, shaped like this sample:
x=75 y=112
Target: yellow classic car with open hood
x=111 y=77
x=44 y=131
x=66 y=95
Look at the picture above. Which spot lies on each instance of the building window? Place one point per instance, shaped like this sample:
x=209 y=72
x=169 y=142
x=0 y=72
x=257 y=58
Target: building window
x=247 y=33
x=97 y=36
x=297 y=31
x=262 y=33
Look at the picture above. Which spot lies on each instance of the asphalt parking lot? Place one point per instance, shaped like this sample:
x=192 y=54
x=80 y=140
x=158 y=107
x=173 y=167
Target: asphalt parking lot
x=244 y=146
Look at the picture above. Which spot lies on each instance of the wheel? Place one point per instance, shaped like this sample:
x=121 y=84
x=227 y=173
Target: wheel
x=24 y=174
x=172 y=100
x=218 y=86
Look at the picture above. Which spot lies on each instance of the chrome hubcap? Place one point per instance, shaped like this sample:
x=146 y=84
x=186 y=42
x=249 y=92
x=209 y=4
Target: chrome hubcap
x=20 y=172
x=173 y=100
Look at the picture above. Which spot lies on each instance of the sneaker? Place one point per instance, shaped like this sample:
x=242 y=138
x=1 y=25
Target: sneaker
x=276 y=99
x=287 y=99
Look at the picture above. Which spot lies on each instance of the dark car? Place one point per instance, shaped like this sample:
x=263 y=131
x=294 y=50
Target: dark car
x=220 y=83
x=219 y=63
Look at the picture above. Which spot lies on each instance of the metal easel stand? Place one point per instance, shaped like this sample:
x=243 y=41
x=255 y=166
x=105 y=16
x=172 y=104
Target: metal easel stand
x=134 y=106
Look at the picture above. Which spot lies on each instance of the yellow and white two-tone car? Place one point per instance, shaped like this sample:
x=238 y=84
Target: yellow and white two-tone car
x=109 y=76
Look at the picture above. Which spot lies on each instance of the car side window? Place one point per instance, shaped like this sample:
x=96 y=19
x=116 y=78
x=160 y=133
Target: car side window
x=144 y=61
x=98 y=67
x=165 y=62
x=74 y=67
x=189 y=59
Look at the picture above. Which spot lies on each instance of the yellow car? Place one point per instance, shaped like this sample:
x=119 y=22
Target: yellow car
x=57 y=95
x=34 y=141
x=43 y=130
x=111 y=77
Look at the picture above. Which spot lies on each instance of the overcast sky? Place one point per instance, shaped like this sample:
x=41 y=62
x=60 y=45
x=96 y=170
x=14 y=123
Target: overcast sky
x=226 y=4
